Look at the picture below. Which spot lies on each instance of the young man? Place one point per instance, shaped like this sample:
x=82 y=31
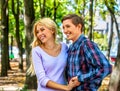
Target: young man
x=87 y=66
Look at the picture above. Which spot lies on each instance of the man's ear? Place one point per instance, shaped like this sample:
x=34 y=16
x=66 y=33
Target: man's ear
x=79 y=26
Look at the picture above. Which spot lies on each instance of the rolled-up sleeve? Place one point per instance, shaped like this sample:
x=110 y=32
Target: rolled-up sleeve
x=39 y=68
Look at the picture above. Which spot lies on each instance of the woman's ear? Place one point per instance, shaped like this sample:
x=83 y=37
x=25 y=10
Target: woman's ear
x=52 y=31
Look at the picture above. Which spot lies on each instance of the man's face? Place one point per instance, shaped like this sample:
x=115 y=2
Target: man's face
x=70 y=30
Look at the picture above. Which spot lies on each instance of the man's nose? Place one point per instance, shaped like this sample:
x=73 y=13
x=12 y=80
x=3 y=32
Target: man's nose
x=64 y=30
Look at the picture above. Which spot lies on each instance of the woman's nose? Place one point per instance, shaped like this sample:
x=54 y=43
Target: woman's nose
x=39 y=33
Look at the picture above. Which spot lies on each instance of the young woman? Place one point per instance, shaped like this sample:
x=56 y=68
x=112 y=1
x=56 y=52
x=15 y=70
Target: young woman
x=49 y=58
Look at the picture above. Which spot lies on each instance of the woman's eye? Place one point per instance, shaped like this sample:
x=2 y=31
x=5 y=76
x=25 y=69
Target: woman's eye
x=36 y=32
x=42 y=29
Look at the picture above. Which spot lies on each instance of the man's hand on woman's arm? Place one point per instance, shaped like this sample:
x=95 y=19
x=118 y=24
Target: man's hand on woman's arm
x=74 y=80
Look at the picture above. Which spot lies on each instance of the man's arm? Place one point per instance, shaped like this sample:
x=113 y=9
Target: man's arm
x=99 y=65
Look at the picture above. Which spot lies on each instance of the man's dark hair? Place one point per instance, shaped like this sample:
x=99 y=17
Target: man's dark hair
x=75 y=19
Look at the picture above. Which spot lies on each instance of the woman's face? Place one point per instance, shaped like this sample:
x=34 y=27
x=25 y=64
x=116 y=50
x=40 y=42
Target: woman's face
x=43 y=33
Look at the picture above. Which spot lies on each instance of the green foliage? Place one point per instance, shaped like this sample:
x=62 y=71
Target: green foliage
x=64 y=7
x=101 y=40
x=12 y=24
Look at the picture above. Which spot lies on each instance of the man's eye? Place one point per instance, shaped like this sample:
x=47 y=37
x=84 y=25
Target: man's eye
x=63 y=27
x=67 y=26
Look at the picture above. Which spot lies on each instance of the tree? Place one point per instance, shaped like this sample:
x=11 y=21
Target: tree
x=91 y=20
x=81 y=10
x=42 y=8
x=4 y=22
x=114 y=84
x=18 y=39
x=55 y=7
x=31 y=82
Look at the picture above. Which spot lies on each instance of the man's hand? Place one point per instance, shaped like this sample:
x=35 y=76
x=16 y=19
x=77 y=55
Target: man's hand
x=75 y=81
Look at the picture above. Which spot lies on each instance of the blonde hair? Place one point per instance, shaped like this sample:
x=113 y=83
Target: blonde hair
x=47 y=22
x=51 y=25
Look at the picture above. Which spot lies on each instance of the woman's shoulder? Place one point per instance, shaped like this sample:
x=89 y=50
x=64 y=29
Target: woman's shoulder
x=64 y=45
x=37 y=48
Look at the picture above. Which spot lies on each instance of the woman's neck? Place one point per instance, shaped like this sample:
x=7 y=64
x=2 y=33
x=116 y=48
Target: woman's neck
x=49 y=46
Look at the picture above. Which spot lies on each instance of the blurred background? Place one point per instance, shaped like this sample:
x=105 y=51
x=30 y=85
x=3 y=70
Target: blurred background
x=102 y=25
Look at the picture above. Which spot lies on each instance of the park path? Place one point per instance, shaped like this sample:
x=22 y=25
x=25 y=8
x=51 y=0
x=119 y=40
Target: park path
x=15 y=80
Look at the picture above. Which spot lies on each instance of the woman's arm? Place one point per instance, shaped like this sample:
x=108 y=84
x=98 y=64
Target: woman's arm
x=41 y=76
x=54 y=85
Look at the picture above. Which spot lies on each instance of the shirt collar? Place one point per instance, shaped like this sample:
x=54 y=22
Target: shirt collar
x=78 y=41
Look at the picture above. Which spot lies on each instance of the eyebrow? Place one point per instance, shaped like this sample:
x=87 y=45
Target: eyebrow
x=41 y=28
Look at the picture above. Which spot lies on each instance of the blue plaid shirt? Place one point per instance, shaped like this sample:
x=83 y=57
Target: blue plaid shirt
x=86 y=61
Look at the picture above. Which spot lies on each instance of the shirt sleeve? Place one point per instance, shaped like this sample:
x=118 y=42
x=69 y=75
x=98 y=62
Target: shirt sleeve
x=99 y=66
x=39 y=69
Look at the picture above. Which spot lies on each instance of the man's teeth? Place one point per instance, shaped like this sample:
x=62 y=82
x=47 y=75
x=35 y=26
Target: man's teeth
x=68 y=34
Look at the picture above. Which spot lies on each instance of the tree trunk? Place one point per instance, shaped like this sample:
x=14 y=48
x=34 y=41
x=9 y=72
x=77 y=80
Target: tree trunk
x=29 y=18
x=114 y=84
x=91 y=20
x=110 y=38
x=19 y=43
x=55 y=10
x=42 y=9
x=5 y=53
x=83 y=13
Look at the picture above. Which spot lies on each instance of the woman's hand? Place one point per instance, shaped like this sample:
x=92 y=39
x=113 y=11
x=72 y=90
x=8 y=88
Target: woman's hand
x=70 y=86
